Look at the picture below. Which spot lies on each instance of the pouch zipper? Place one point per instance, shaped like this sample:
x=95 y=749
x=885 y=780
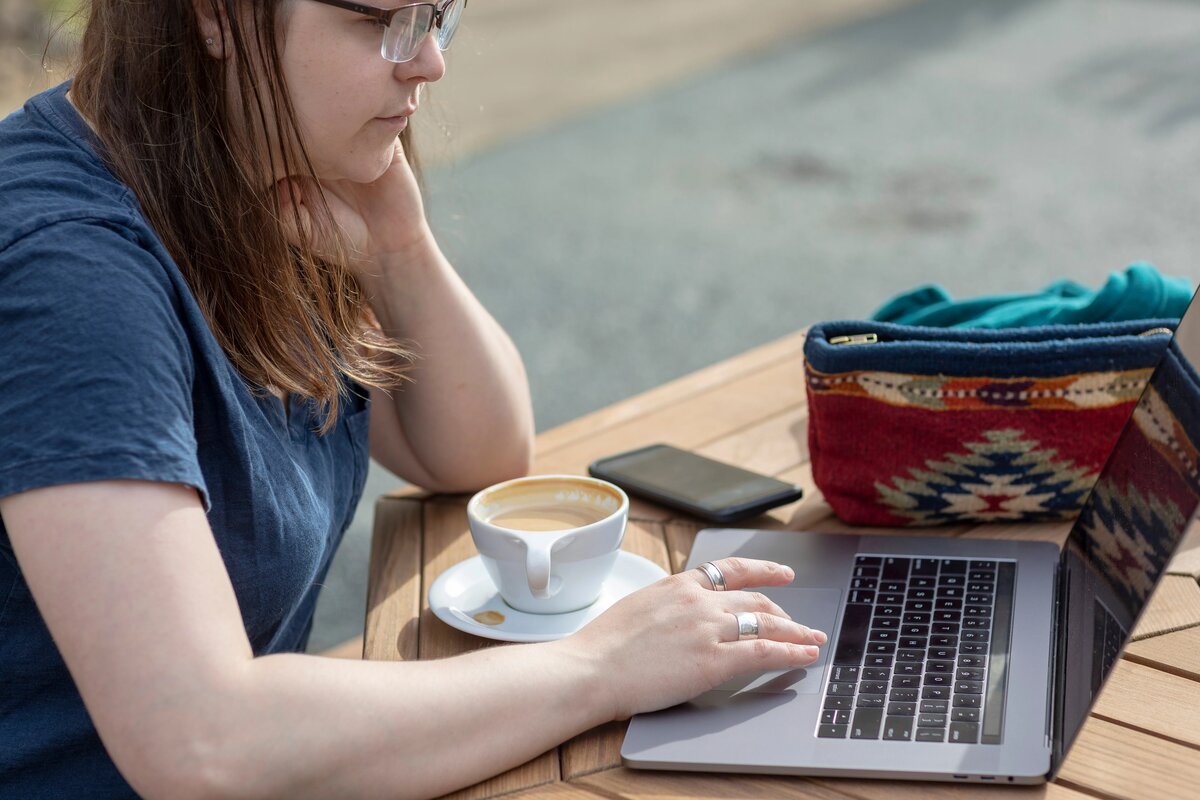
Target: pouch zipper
x=856 y=338
x=873 y=338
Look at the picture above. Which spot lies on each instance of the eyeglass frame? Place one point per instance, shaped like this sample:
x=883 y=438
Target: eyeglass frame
x=385 y=15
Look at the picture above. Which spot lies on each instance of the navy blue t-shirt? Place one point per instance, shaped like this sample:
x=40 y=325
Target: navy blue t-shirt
x=109 y=370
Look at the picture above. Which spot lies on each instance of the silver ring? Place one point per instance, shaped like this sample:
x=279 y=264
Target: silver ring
x=747 y=622
x=714 y=575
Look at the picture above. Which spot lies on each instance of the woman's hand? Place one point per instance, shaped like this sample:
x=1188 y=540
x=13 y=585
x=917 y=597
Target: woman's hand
x=677 y=638
x=373 y=221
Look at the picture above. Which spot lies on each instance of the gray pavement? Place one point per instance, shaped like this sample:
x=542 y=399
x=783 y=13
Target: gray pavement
x=988 y=145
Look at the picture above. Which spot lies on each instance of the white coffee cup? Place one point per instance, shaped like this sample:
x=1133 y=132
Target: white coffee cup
x=549 y=541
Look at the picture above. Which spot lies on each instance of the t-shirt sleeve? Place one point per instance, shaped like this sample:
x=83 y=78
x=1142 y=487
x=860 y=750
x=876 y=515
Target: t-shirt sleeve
x=96 y=367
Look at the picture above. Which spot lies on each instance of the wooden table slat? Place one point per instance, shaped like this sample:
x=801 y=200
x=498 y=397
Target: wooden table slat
x=670 y=395
x=771 y=446
x=1174 y=605
x=1111 y=760
x=1153 y=701
x=394 y=585
x=1177 y=652
x=702 y=418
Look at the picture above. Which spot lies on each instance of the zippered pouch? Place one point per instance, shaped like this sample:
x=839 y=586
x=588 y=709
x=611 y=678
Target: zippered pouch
x=913 y=426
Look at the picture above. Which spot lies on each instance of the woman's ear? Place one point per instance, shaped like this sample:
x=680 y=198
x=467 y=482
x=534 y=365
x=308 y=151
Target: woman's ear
x=213 y=26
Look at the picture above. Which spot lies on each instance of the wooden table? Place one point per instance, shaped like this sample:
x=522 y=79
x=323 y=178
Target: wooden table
x=1143 y=737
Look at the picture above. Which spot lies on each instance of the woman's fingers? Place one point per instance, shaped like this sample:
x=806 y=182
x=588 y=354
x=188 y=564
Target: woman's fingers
x=763 y=655
x=752 y=601
x=780 y=629
x=740 y=573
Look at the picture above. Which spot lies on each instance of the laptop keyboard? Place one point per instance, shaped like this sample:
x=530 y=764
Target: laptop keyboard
x=1107 y=639
x=922 y=654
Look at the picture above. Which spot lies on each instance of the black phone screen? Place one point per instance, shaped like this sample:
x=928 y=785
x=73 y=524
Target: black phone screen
x=691 y=478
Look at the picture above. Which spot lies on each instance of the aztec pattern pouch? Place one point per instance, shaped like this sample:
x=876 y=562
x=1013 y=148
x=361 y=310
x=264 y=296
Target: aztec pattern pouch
x=912 y=426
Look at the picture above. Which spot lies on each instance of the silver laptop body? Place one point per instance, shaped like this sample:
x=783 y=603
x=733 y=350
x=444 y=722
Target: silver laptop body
x=1058 y=623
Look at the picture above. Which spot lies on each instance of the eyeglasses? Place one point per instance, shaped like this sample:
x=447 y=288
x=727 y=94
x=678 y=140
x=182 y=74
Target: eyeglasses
x=407 y=26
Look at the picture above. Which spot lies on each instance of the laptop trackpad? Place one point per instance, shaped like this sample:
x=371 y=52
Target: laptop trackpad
x=816 y=608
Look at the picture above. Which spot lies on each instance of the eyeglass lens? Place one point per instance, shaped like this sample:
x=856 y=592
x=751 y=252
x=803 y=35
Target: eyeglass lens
x=411 y=25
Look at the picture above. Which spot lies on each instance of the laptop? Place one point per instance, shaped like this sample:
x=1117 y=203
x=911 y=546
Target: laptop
x=953 y=659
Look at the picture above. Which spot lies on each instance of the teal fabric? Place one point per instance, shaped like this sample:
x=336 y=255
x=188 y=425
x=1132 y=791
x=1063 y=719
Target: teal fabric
x=1140 y=292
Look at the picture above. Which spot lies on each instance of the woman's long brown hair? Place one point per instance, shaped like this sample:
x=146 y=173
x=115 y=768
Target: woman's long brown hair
x=288 y=319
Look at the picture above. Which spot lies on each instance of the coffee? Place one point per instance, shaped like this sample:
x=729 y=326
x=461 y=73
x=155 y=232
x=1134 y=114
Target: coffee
x=539 y=518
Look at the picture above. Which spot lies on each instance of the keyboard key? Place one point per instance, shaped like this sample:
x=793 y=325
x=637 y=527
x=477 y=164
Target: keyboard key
x=866 y=572
x=931 y=720
x=923 y=583
x=931 y=693
x=908 y=668
x=969 y=674
x=841 y=701
x=906 y=681
x=832 y=731
x=941 y=653
x=891 y=586
x=901 y=709
x=931 y=734
x=950 y=592
x=951 y=566
x=875 y=674
x=946 y=616
x=868 y=560
x=974 y=635
x=918 y=605
x=968 y=687
x=903 y=696
x=925 y=566
x=884 y=635
x=951 y=580
x=889 y=623
x=840 y=689
x=939 y=679
x=967 y=701
x=916 y=618
x=920 y=594
x=842 y=674
x=970 y=661
x=895 y=569
x=985 y=587
x=977 y=611
x=873 y=660
x=914 y=630
x=866 y=723
x=983 y=565
x=863 y=583
x=870 y=701
x=872 y=687
x=976 y=623
x=948 y=604
x=887 y=611
x=942 y=640
x=832 y=716
x=981 y=575
x=903 y=656
x=898 y=728
x=890 y=599
x=913 y=642
x=934 y=706
x=972 y=648
x=964 y=732
x=979 y=599
x=965 y=715
x=881 y=647
x=950 y=628
x=862 y=596
x=939 y=666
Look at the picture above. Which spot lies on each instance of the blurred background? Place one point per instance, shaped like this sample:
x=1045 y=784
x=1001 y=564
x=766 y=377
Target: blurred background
x=638 y=189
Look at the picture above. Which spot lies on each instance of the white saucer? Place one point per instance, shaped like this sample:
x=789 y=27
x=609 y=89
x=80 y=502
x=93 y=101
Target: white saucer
x=465 y=590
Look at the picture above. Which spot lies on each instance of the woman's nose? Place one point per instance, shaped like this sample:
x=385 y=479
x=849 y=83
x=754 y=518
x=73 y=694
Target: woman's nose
x=428 y=64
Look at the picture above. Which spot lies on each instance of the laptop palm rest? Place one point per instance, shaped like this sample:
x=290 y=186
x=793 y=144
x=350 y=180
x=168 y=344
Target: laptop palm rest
x=816 y=608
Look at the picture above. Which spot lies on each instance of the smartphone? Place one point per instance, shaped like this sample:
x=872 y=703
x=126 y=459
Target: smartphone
x=709 y=489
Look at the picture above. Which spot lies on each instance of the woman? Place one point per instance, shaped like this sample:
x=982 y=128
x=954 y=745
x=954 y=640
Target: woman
x=212 y=248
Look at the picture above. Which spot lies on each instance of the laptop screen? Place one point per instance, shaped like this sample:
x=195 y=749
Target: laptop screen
x=1142 y=504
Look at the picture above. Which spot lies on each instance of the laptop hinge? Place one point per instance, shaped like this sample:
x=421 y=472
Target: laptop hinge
x=1054 y=675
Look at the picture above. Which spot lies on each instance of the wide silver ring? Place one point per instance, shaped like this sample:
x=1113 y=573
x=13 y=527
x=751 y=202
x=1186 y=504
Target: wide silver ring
x=714 y=576
x=747 y=622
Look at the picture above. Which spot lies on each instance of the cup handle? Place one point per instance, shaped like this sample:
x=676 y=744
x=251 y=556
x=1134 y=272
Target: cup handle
x=537 y=570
